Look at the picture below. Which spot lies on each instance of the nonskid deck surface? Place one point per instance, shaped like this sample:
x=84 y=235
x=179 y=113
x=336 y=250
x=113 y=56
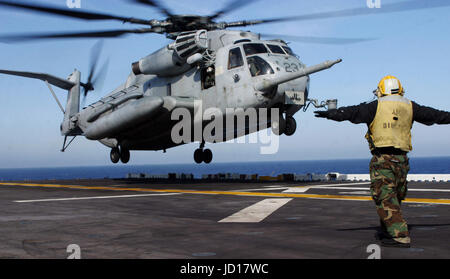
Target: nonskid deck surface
x=143 y=219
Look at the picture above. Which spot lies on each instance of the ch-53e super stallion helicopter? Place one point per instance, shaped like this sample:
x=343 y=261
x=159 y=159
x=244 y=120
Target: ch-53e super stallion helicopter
x=206 y=62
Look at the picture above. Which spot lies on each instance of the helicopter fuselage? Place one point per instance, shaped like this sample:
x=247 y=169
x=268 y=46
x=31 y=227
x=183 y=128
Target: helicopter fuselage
x=221 y=82
x=225 y=78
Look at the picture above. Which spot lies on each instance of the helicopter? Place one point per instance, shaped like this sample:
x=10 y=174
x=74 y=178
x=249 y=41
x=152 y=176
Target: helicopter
x=206 y=63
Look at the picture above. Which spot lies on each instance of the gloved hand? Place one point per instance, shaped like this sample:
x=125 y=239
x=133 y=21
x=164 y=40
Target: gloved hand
x=322 y=114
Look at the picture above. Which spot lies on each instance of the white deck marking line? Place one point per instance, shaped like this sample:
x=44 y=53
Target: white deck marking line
x=263 y=189
x=304 y=189
x=302 y=186
x=297 y=189
x=365 y=193
x=257 y=212
x=100 y=197
x=409 y=189
x=336 y=185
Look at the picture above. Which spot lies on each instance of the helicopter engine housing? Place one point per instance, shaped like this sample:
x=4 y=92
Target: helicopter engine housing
x=172 y=59
x=164 y=63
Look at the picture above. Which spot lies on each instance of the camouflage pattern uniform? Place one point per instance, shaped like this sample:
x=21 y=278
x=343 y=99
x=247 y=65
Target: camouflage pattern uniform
x=388 y=170
x=388 y=188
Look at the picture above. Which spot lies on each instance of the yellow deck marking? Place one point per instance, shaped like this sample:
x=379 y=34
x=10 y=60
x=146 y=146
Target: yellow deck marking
x=281 y=195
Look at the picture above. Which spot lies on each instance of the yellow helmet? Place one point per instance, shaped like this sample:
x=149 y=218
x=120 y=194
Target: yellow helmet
x=389 y=85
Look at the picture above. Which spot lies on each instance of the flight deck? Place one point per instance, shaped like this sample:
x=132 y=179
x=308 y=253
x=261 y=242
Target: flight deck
x=133 y=218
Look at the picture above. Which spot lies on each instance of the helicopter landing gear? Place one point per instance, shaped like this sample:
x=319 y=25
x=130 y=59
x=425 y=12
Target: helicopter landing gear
x=279 y=127
x=286 y=126
x=115 y=155
x=207 y=156
x=124 y=155
x=203 y=155
x=291 y=126
x=121 y=154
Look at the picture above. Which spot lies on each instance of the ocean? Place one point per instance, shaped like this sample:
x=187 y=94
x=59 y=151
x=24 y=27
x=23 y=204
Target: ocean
x=435 y=165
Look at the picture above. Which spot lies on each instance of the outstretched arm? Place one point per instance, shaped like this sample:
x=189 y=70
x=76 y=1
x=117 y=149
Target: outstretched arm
x=430 y=116
x=363 y=113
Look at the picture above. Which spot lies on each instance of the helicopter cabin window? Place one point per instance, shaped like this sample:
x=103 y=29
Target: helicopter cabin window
x=288 y=50
x=208 y=76
x=258 y=66
x=251 y=49
x=235 y=59
x=276 y=49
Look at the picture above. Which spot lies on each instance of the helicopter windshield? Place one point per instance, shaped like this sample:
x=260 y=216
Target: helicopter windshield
x=288 y=50
x=276 y=49
x=258 y=66
x=251 y=49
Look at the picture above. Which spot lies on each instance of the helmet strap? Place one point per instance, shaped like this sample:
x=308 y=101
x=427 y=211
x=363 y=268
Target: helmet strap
x=378 y=93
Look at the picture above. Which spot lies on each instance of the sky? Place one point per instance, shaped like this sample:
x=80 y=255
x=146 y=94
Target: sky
x=411 y=45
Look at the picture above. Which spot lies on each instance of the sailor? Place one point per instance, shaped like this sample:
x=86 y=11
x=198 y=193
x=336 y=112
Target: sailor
x=389 y=120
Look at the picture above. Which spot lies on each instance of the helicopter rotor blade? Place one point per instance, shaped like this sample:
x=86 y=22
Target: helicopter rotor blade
x=91 y=34
x=155 y=4
x=97 y=82
x=93 y=73
x=319 y=40
x=71 y=13
x=385 y=8
x=231 y=6
x=99 y=78
x=95 y=55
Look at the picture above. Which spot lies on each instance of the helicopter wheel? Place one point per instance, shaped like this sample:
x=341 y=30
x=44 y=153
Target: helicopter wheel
x=203 y=156
x=207 y=156
x=198 y=156
x=124 y=155
x=291 y=126
x=279 y=127
x=115 y=155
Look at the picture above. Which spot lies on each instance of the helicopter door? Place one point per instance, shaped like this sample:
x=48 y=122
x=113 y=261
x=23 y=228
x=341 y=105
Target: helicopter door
x=233 y=78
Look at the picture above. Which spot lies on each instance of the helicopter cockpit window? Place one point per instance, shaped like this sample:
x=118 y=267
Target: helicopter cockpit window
x=288 y=50
x=258 y=66
x=276 y=49
x=235 y=59
x=251 y=49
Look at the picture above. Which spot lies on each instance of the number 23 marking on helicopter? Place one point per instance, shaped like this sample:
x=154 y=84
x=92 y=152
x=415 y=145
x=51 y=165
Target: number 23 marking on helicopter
x=291 y=68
